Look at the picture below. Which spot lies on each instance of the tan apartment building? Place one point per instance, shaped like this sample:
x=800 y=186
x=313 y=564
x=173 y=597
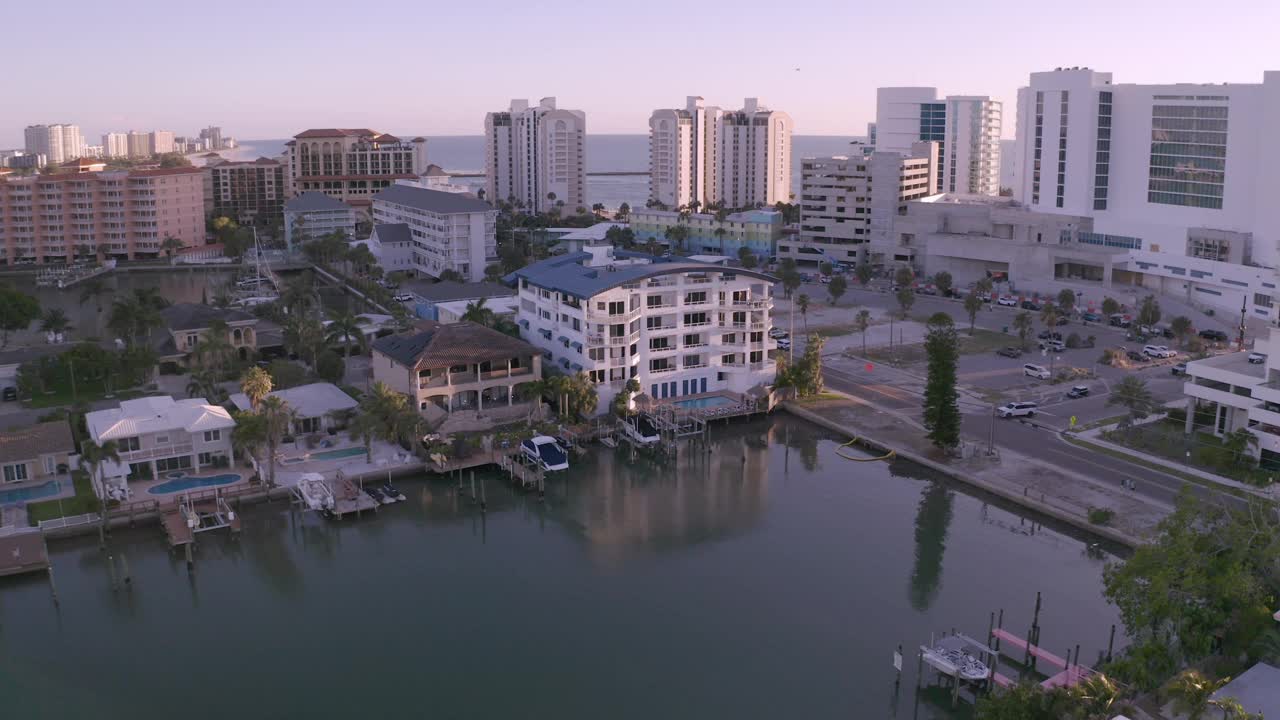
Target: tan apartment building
x=251 y=192
x=352 y=165
x=118 y=214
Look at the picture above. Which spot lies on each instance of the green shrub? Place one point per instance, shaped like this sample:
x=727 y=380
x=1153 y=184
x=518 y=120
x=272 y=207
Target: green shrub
x=1073 y=341
x=1101 y=516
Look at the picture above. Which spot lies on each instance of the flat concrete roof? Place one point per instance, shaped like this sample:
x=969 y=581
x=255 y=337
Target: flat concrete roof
x=1236 y=362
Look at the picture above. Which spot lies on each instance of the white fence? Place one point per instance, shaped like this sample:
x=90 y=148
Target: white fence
x=65 y=522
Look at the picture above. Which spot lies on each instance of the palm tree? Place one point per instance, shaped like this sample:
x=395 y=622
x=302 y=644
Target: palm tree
x=300 y=294
x=862 y=321
x=55 y=321
x=255 y=384
x=151 y=297
x=1132 y=393
x=84 y=250
x=277 y=417
x=972 y=304
x=345 y=330
x=94 y=455
x=1181 y=328
x=802 y=304
x=249 y=435
x=171 y=245
x=123 y=319
x=1191 y=692
x=1096 y=697
x=204 y=384
x=214 y=348
x=1238 y=443
x=1049 y=316
x=1023 y=323
x=478 y=312
x=304 y=335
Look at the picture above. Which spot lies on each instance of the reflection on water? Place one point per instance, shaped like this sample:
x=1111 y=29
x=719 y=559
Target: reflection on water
x=761 y=580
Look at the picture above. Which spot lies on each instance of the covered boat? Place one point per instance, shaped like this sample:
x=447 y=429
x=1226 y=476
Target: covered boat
x=546 y=452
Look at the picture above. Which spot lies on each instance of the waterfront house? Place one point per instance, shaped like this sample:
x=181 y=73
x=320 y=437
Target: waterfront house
x=313 y=215
x=317 y=407
x=679 y=328
x=159 y=434
x=35 y=452
x=459 y=367
x=187 y=323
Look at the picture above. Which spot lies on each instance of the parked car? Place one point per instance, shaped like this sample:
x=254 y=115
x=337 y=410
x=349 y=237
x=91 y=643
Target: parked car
x=1078 y=391
x=1157 y=351
x=402 y=297
x=1010 y=352
x=1039 y=372
x=784 y=344
x=1118 y=320
x=1049 y=335
x=1136 y=356
x=1148 y=330
x=1091 y=317
x=1018 y=409
x=1007 y=301
x=806 y=277
x=1029 y=305
x=825 y=279
x=1053 y=345
x=777 y=333
x=1063 y=319
x=10 y=394
x=1179 y=369
x=1215 y=335
x=1257 y=358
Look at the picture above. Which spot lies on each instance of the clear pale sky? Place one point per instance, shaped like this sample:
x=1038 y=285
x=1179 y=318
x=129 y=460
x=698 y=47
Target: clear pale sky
x=268 y=70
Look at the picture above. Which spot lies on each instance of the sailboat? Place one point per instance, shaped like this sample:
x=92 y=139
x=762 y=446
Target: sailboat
x=259 y=286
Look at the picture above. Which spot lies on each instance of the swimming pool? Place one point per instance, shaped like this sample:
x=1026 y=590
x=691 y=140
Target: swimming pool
x=26 y=494
x=703 y=402
x=191 y=483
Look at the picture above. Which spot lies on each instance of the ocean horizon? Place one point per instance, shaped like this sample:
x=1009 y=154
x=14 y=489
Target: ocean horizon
x=622 y=153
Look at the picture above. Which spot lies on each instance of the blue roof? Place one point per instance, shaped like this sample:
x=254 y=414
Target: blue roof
x=566 y=273
x=312 y=200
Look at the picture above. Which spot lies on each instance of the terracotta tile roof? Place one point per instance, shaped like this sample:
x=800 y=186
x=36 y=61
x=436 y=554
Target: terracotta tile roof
x=452 y=344
x=31 y=442
x=159 y=172
x=336 y=132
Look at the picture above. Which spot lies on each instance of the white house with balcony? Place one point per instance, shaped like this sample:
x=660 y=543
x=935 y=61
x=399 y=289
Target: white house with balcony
x=1243 y=394
x=154 y=435
x=680 y=328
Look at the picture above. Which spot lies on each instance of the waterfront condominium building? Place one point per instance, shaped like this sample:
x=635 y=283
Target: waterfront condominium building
x=848 y=205
x=123 y=214
x=753 y=157
x=161 y=142
x=250 y=192
x=115 y=145
x=966 y=128
x=683 y=145
x=58 y=143
x=678 y=327
x=1179 y=178
x=756 y=230
x=536 y=157
x=352 y=165
x=312 y=215
x=139 y=144
x=449 y=231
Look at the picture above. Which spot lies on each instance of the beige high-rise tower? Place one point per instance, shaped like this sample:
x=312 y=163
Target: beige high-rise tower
x=536 y=157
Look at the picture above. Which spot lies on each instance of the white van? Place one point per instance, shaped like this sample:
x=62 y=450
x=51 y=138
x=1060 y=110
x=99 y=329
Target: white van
x=1018 y=409
x=1038 y=372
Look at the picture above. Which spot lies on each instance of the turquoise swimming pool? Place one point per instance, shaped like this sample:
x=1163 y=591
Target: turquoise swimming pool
x=191 y=483
x=703 y=402
x=27 y=494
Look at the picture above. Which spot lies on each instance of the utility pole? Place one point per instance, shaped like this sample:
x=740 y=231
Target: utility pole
x=1240 y=338
x=791 y=335
x=991 y=437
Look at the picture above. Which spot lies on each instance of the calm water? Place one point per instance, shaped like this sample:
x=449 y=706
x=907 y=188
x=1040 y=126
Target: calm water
x=771 y=581
x=605 y=153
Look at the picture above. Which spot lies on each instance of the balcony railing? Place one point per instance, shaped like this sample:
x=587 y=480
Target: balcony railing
x=659 y=371
x=156 y=452
x=699 y=323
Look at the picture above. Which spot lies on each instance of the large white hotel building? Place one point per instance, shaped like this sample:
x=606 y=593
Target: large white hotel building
x=966 y=127
x=536 y=157
x=679 y=328
x=1179 y=180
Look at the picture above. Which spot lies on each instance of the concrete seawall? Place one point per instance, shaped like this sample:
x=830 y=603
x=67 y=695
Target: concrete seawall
x=1031 y=503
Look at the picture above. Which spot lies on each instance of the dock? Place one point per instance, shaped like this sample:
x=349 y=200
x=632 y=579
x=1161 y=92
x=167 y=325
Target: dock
x=348 y=498
x=23 y=550
x=522 y=472
x=181 y=523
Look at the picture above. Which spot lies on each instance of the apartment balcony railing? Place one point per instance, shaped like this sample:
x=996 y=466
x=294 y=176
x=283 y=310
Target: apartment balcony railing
x=695 y=345
x=694 y=366
x=661 y=370
x=156 y=452
x=700 y=323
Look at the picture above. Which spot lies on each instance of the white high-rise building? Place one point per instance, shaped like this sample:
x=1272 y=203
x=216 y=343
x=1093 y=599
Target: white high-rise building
x=59 y=143
x=536 y=156
x=682 y=154
x=139 y=144
x=1181 y=179
x=161 y=142
x=966 y=128
x=115 y=145
x=848 y=205
x=753 y=156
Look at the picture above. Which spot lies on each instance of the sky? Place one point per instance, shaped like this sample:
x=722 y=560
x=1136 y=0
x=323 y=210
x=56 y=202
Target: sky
x=271 y=69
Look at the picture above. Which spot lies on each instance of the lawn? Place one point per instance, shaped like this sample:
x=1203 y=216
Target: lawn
x=982 y=341
x=61 y=396
x=1167 y=440
x=85 y=501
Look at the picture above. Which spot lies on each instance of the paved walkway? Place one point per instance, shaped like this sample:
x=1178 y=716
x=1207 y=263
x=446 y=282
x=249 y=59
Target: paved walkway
x=1026 y=480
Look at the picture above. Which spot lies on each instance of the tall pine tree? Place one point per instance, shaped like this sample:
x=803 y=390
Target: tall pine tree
x=941 y=411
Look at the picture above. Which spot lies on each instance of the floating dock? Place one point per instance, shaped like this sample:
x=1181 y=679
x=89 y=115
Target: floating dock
x=23 y=551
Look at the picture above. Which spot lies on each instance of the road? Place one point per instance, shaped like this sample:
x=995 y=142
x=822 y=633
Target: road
x=895 y=390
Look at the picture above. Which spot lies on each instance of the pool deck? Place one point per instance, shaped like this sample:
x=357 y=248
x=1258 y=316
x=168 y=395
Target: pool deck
x=140 y=489
x=386 y=458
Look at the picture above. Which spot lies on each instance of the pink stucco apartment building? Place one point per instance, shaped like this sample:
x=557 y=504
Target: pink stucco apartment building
x=83 y=209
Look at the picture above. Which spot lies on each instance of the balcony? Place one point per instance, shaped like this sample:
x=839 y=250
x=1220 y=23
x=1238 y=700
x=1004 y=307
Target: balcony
x=156 y=452
x=1223 y=396
x=695 y=366
x=433 y=382
x=699 y=323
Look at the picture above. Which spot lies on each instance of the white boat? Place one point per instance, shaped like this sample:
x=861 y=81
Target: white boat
x=641 y=430
x=951 y=656
x=544 y=451
x=315 y=492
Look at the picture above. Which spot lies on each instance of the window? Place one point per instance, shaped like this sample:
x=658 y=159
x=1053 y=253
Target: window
x=162 y=439
x=212 y=435
x=15 y=473
x=596 y=354
x=174 y=463
x=205 y=458
x=1262 y=300
x=597 y=376
x=1188 y=155
x=695 y=298
x=1218 y=249
x=129 y=444
x=618 y=308
x=660 y=343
